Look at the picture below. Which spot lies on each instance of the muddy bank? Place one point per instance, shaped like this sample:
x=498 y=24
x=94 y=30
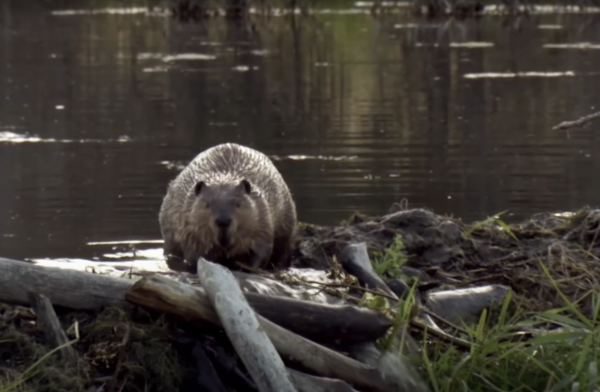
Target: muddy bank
x=135 y=350
x=446 y=252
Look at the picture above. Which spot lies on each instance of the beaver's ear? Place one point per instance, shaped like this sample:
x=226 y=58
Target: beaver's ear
x=198 y=187
x=245 y=185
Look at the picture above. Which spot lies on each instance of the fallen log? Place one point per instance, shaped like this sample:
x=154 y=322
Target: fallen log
x=322 y=323
x=185 y=302
x=63 y=287
x=87 y=291
x=208 y=359
x=243 y=329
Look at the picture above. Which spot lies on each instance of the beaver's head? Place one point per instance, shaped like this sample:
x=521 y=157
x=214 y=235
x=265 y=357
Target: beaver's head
x=225 y=208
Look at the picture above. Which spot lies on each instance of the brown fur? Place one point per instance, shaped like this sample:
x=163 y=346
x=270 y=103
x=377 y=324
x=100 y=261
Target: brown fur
x=234 y=182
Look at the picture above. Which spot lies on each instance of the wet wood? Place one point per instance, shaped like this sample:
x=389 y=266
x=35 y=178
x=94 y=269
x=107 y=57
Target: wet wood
x=466 y=304
x=191 y=304
x=87 y=291
x=243 y=329
x=49 y=324
x=322 y=323
x=63 y=287
x=355 y=260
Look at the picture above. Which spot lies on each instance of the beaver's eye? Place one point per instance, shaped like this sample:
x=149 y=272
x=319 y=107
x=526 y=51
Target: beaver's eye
x=238 y=204
x=206 y=205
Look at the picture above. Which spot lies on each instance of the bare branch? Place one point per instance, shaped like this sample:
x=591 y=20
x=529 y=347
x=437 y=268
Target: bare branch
x=577 y=123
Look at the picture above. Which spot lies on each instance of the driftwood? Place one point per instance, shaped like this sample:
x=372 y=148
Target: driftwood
x=455 y=306
x=243 y=329
x=191 y=304
x=355 y=260
x=465 y=305
x=67 y=288
x=285 y=321
x=322 y=323
x=86 y=291
x=357 y=263
x=209 y=357
x=48 y=323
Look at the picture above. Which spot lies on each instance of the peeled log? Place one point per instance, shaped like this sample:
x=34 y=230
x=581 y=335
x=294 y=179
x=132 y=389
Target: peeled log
x=465 y=305
x=191 y=304
x=344 y=324
x=323 y=323
x=241 y=326
x=355 y=260
x=63 y=287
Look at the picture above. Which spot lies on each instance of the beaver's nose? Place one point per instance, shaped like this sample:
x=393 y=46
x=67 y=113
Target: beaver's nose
x=223 y=222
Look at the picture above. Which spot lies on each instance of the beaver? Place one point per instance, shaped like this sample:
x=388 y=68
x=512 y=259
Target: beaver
x=230 y=203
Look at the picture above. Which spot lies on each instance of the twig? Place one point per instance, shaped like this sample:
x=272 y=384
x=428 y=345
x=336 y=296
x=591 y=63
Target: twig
x=589 y=251
x=123 y=345
x=347 y=286
x=442 y=335
x=443 y=320
x=417 y=324
x=50 y=326
x=577 y=123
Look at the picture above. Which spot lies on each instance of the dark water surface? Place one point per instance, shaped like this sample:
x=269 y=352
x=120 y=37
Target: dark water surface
x=359 y=112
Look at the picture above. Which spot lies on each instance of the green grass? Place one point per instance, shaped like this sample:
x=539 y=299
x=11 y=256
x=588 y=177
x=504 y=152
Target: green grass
x=500 y=361
x=511 y=350
x=20 y=378
x=389 y=262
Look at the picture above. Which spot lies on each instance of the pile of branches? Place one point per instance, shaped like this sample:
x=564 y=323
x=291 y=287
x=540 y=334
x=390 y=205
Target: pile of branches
x=230 y=330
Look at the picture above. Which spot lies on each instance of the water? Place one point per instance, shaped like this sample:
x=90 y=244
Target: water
x=97 y=112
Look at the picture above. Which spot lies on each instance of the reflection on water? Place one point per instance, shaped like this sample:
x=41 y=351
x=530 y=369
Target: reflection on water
x=100 y=110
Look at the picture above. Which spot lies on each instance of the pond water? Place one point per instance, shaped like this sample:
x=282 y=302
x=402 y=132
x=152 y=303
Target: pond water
x=99 y=110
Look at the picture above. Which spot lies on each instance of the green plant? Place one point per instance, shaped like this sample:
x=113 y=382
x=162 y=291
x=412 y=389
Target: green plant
x=32 y=370
x=490 y=220
x=390 y=261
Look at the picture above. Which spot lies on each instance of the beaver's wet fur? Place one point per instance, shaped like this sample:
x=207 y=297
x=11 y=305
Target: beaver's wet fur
x=229 y=204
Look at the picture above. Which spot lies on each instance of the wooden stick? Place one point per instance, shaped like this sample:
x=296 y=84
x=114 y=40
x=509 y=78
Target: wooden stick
x=355 y=260
x=50 y=326
x=239 y=321
x=577 y=123
x=329 y=363
x=185 y=302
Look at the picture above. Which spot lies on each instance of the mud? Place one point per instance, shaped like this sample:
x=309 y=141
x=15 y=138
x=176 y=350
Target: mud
x=445 y=252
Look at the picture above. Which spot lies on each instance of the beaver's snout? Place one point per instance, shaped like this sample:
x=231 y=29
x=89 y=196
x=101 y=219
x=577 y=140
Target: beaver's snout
x=223 y=222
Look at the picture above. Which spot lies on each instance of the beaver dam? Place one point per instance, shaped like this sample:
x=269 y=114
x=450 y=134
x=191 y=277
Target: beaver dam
x=408 y=301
